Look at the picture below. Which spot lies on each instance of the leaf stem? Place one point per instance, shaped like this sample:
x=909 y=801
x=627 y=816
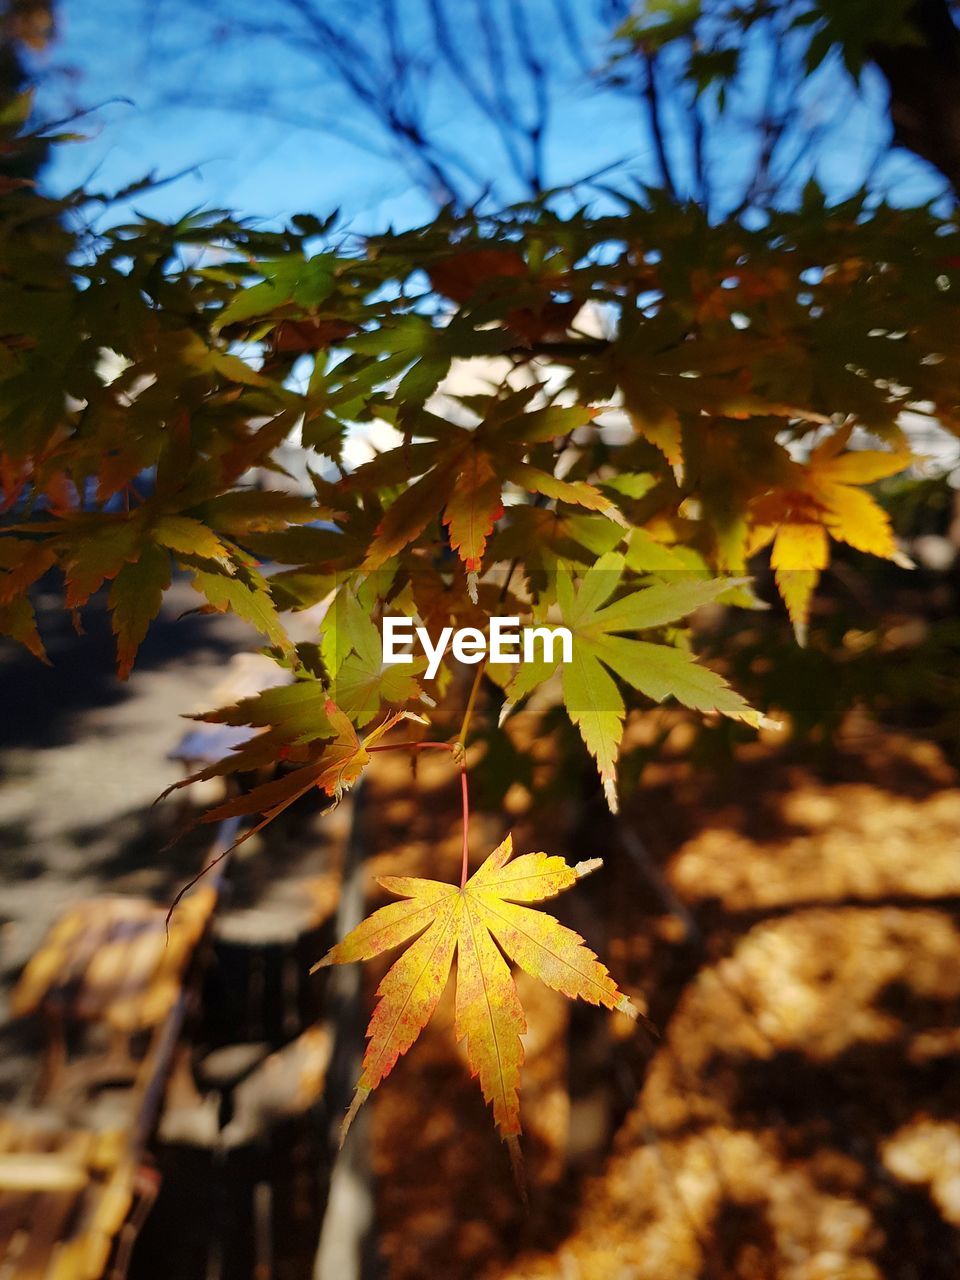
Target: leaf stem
x=471 y=703
x=465 y=799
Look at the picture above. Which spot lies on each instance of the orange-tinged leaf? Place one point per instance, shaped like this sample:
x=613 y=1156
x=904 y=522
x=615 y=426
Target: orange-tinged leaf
x=98 y=557
x=393 y=924
x=823 y=499
x=473 y=509
x=271 y=798
x=18 y=621
x=409 y=992
x=549 y=951
x=406 y=518
x=22 y=562
x=334 y=770
x=470 y=922
x=462 y=273
x=337 y=767
x=376 y=734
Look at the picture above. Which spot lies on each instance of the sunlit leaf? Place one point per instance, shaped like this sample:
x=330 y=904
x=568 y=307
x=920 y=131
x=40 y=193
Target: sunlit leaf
x=465 y=922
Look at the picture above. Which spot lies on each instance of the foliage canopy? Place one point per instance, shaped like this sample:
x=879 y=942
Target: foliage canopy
x=655 y=399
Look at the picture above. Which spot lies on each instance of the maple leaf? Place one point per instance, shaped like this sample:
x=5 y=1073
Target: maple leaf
x=135 y=599
x=352 y=651
x=473 y=508
x=659 y=671
x=103 y=546
x=660 y=424
x=287 y=283
x=243 y=511
x=22 y=562
x=18 y=621
x=241 y=589
x=463 y=273
x=285 y=722
x=425 y=350
x=823 y=500
x=478 y=923
x=334 y=768
x=462 y=473
x=185 y=536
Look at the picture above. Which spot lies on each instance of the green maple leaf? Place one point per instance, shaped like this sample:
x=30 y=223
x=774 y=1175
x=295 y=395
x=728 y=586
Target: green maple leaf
x=426 y=350
x=286 y=721
x=186 y=536
x=246 y=593
x=600 y=650
x=295 y=712
x=353 y=653
x=294 y=280
x=135 y=599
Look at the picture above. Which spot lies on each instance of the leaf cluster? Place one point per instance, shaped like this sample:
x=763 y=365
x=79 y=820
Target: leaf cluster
x=655 y=399
x=600 y=421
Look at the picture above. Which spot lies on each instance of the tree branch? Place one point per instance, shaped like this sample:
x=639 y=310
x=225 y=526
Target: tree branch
x=924 y=83
x=652 y=97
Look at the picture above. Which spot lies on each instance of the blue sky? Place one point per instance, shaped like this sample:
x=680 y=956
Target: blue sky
x=154 y=81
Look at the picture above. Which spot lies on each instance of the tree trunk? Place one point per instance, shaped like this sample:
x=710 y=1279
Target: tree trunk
x=924 y=82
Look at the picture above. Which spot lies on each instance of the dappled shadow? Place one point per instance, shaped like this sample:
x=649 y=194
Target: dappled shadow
x=17 y=861
x=794 y=931
x=743 y=1243
x=797 y=934
x=41 y=703
x=244 y=1199
x=672 y=806
x=861 y=1096
x=763 y=1127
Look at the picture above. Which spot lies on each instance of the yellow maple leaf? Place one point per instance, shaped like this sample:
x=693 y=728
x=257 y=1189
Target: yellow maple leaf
x=474 y=923
x=823 y=502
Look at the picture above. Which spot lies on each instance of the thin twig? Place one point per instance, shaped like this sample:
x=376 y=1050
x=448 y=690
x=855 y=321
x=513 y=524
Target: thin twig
x=651 y=94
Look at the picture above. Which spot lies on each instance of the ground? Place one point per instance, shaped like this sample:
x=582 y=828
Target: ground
x=792 y=926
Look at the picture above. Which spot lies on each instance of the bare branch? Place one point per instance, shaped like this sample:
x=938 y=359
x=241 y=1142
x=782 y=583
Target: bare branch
x=541 y=100
x=772 y=122
x=485 y=102
x=651 y=94
x=698 y=131
x=569 y=28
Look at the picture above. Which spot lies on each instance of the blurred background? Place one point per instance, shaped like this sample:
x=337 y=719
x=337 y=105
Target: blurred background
x=787 y=907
